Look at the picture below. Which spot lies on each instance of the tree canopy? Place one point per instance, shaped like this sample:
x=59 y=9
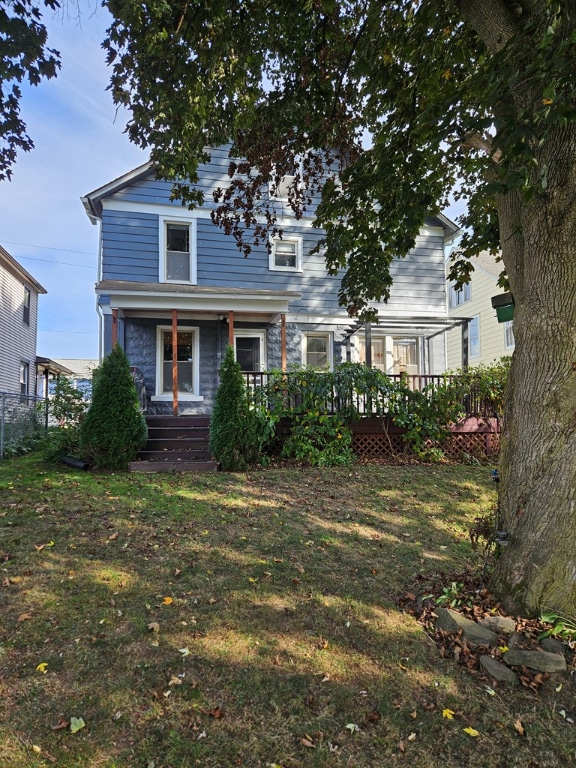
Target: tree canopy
x=24 y=56
x=404 y=103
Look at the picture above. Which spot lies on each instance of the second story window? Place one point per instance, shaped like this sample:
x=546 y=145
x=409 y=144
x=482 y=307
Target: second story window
x=474 y=337
x=286 y=254
x=177 y=251
x=26 y=306
x=459 y=297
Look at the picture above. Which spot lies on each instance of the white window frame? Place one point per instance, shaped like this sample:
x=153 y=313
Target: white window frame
x=246 y=332
x=192 y=225
x=457 y=298
x=472 y=354
x=277 y=193
x=193 y=396
x=328 y=336
x=509 y=334
x=26 y=305
x=24 y=377
x=272 y=262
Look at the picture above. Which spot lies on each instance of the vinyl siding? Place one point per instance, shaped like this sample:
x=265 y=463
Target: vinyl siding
x=483 y=286
x=17 y=340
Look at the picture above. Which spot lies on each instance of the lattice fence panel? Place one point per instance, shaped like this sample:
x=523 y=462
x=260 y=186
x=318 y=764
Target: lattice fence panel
x=473 y=444
x=377 y=445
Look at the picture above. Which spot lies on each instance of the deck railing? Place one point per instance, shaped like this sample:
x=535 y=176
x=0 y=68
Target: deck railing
x=345 y=396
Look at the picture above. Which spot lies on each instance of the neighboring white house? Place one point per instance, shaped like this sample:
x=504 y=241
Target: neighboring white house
x=18 y=326
x=488 y=340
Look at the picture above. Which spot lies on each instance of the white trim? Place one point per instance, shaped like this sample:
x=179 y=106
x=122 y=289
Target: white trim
x=329 y=336
x=159 y=394
x=192 y=236
x=254 y=333
x=125 y=206
x=272 y=258
x=509 y=326
x=195 y=303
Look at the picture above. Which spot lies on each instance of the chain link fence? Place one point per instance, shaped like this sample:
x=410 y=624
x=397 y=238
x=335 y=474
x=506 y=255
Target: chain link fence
x=23 y=419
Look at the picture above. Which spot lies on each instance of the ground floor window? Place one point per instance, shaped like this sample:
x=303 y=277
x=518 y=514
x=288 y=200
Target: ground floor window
x=186 y=355
x=405 y=356
x=378 y=348
x=317 y=350
x=24 y=377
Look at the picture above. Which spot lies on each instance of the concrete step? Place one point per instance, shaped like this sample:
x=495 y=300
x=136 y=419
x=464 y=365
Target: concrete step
x=175 y=455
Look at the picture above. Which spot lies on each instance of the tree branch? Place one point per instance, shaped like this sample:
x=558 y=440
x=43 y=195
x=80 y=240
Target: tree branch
x=477 y=141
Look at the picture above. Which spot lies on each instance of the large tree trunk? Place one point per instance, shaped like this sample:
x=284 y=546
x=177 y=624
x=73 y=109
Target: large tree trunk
x=537 y=570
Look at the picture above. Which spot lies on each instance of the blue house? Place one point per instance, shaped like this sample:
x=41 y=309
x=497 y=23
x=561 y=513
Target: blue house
x=174 y=290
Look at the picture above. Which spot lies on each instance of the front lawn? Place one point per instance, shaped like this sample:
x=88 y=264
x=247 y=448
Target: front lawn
x=247 y=620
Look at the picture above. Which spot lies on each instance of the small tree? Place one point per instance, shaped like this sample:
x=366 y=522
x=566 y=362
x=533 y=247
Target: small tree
x=231 y=427
x=114 y=429
x=67 y=407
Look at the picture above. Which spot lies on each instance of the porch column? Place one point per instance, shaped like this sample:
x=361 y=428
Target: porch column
x=231 y=328
x=348 y=349
x=283 y=340
x=368 y=343
x=465 y=343
x=175 y=362
x=114 y=327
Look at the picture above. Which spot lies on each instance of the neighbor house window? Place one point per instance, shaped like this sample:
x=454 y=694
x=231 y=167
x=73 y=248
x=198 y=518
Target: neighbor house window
x=186 y=355
x=474 y=337
x=457 y=297
x=24 y=378
x=177 y=251
x=26 y=306
x=317 y=350
x=286 y=254
x=509 y=334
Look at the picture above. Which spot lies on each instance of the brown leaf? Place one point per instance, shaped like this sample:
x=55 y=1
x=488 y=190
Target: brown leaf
x=216 y=713
x=411 y=596
x=307 y=742
x=25 y=617
x=401 y=746
x=212 y=601
x=519 y=728
x=414 y=715
x=61 y=725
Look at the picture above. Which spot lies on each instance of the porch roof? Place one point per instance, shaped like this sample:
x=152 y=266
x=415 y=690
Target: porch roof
x=127 y=295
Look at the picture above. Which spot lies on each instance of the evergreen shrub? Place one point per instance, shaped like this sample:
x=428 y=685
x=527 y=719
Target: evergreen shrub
x=114 y=429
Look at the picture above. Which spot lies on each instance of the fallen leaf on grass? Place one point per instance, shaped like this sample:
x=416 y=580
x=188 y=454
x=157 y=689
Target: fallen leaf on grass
x=36 y=748
x=61 y=724
x=307 y=742
x=448 y=714
x=154 y=627
x=412 y=737
x=414 y=715
x=42 y=667
x=184 y=651
x=519 y=728
x=167 y=601
x=76 y=724
x=471 y=732
x=352 y=727
x=489 y=691
x=216 y=713
x=25 y=617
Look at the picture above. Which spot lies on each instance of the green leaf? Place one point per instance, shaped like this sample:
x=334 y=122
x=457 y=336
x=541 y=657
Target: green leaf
x=76 y=724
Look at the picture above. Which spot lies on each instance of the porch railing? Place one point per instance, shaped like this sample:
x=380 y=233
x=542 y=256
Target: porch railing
x=345 y=396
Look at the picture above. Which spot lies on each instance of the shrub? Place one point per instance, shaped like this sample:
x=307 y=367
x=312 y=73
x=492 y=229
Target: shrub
x=114 y=429
x=68 y=408
x=238 y=428
x=319 y=439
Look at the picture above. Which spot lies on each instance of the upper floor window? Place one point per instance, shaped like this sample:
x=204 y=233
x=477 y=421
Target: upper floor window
x=177 y=251
x=456 y=298
x=283 y=187
x=286 y=254
x=509 y=334
x=474 y=337
x=26 y=306
x=317 y=350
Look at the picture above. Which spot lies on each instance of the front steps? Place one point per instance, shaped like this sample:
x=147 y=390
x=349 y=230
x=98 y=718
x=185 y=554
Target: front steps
x=176 y=444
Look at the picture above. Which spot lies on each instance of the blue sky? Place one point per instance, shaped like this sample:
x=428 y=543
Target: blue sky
x=79 y=146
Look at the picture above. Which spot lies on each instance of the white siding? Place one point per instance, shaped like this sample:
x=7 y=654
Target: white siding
x=17 y=339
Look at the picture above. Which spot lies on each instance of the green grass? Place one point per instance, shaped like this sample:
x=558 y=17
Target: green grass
x=246 y=620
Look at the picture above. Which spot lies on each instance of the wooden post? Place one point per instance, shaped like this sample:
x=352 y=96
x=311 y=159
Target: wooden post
x=283 y=340
x=465 y=343
x=368 y=344
x=231 y=328
x=175 y=362
x=114 y=327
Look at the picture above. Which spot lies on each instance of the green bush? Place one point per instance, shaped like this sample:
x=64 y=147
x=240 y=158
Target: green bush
x=114 y=429
x=319 y=439
x=68 y=408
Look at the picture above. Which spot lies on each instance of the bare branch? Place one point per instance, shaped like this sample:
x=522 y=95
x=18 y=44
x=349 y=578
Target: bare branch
x=477 y=141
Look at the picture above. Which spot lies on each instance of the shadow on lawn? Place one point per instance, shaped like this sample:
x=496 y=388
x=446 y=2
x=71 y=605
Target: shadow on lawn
x=222 y=621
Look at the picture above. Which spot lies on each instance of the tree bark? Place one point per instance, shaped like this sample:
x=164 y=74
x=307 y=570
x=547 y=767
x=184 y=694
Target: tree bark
x=537 y=570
